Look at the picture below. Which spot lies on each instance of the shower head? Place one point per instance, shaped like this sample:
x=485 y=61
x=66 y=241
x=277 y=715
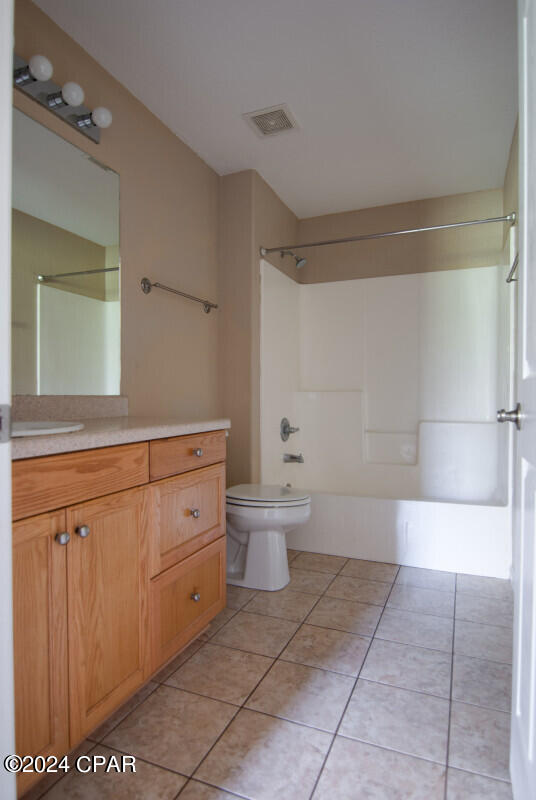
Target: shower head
x=300 y=262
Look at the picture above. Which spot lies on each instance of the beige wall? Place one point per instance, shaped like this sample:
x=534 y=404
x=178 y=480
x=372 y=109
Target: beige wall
x=251 y=214
x=168 y=229
x=236 y=280
x=40 y=248
x=424 y=252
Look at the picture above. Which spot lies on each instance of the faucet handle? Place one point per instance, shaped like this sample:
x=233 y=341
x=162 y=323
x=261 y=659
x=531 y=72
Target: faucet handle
x=285 y=429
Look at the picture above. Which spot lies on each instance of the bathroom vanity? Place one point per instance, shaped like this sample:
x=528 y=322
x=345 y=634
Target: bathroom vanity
x=118 y=563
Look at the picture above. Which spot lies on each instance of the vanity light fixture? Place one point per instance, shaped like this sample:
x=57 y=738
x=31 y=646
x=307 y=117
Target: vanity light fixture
x=38 y=68
x=71 y=94
x=33 y=78
x=100 y=116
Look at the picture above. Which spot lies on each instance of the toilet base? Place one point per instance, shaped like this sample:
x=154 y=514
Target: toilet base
x=266 y=566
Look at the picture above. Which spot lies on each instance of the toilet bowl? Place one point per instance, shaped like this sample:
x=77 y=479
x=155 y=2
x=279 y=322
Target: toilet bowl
x=258 y=519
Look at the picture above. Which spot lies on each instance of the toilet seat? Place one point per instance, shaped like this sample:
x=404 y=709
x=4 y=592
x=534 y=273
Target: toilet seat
x=252 y=504
x=256 y=495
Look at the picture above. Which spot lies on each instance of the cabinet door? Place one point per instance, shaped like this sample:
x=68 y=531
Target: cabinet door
x=40 y=639
x=185 y=598
x=108 y=612
x=187 y=513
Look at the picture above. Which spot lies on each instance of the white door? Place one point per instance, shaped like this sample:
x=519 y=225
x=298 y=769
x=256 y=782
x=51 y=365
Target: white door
x=7 y=735
x=523 y=745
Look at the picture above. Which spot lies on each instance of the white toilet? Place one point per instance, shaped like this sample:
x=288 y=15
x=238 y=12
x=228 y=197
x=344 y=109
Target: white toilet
x=258 y=519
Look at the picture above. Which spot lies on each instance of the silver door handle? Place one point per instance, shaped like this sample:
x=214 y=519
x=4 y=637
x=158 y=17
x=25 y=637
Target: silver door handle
x=198 y=451
x=196 y=597
x=514 y=416
x=62 y=538
x=83 y=531
x=195 y=512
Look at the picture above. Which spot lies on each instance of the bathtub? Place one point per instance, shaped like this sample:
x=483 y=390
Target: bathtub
x=457 y=537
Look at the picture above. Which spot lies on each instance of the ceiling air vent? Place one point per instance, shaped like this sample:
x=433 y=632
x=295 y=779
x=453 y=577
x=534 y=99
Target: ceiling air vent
x=269 y=121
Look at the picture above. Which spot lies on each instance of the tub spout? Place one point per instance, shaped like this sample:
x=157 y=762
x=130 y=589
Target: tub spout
x=292 y=458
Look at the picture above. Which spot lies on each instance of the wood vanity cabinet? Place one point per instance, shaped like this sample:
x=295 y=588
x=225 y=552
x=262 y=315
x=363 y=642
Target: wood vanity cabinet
x=107 y=589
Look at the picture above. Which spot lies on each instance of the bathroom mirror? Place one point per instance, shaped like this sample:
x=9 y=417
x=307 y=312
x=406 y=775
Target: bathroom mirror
x=65 y=267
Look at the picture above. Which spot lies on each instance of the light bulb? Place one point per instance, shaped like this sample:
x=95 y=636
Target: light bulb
x=72 y=94
x=40 y=68
x=101 y=117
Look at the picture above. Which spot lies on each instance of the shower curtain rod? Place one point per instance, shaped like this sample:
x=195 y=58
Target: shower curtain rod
x=80 y=272
x=511 y=218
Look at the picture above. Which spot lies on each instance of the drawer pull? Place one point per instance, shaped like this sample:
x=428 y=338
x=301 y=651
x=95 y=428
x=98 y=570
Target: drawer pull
x=62 y=538
x=83 y=531
x=196 y=597
x=195 y=512
x=198 y=451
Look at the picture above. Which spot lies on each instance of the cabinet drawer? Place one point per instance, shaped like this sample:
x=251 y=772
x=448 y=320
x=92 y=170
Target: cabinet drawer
x=187 y=513
x=43 y=484
x=182 y=453
x=184 y=599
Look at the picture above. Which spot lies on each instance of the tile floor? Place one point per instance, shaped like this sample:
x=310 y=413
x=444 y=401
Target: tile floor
x=357 y=680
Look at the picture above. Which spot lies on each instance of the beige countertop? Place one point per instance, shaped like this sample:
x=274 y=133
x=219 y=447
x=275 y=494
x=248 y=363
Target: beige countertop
x=110 y=431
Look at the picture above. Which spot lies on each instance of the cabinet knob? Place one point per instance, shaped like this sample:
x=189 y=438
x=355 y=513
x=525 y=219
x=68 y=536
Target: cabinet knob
x=198 y=451
x=62 y=538
x=83 y=531
x=195 y=512
x=196 y=597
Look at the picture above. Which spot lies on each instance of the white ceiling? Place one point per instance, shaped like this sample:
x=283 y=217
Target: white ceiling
x=58 y=183
x=396 y=99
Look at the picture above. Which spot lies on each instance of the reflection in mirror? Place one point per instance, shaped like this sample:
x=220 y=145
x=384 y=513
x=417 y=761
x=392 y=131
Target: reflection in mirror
x=65 y=267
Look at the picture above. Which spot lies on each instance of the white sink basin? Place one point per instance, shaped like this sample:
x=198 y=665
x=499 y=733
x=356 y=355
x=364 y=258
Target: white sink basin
x=44 y=428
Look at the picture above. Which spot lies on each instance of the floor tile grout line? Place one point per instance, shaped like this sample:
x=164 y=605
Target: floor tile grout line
x=393 y=750
x=330 y=748
x=422 y=613
x=450 y=694
x=314 y=666
x=486 y=624
x=145 y=760
x=212 y=786
x=384 y=638
x=405 y=689
x=480 y=774
x=437 y=696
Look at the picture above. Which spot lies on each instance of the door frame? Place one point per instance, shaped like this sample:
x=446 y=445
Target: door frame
x=7 y=728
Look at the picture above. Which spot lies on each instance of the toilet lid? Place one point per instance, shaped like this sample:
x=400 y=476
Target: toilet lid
x=257 y=493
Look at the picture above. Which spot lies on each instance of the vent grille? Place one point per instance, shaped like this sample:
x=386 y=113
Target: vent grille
x=269 y=121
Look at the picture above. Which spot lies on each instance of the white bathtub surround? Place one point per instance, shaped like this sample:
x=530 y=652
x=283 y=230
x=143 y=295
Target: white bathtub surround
x=457 y=537
x=394 y=383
